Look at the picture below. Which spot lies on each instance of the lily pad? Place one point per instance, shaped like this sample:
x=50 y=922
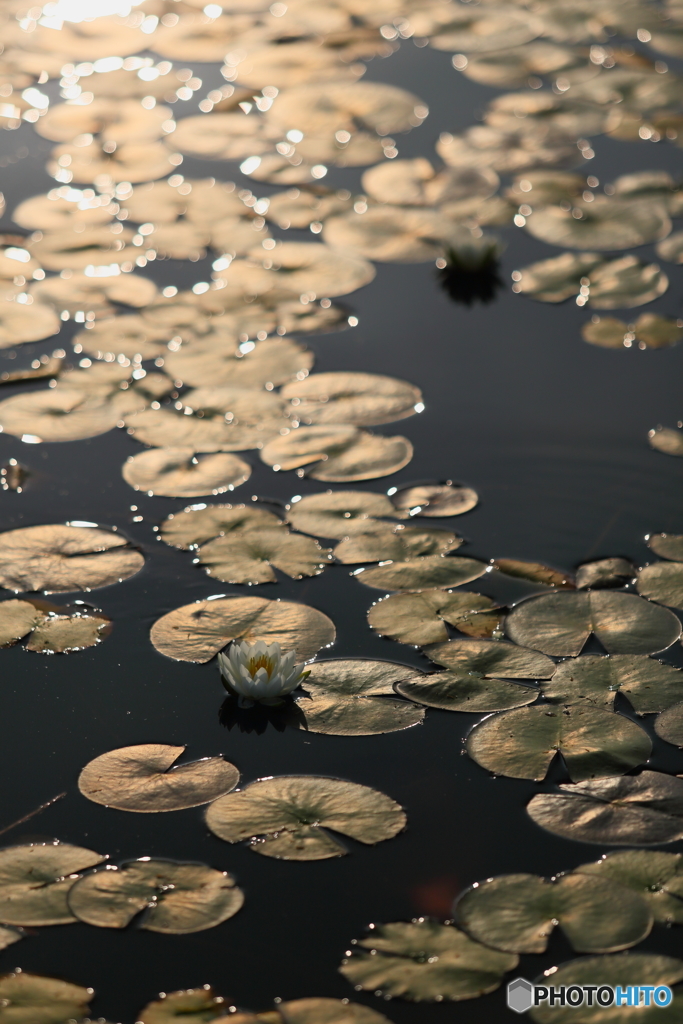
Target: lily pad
x=288 y=817
x=17 y=618
x=385 y=541
x=671 y=248
x=425 y=961
x=330 y=107
x=181 y=473
x=594 y=744
x=657 y=877
x=667 y=545
x=142 y=778
x=394 y=234
x=662 y=582
x=65 y=557
x=177 y=898
x=557 y=278
x=191 y=1005
x=595 y=680
x=419 y=573
x=35 y=879
x=655 y=331
x=196 y=632
x=63 y=634
x=356 y=697
x=435 y=500
x=199 y=523
x=363 y=399
x=622 y=969
x=625 y=282
x=603 y=223
x=421 y=618
x=251 y=556
x=517 y=913
x=560 y=624
x=339 y=514
x=338 y=454
x=606 y=572
x=535 y=572
x=59 y=414
x=34 y=999
x=324 y=1011
x=669 y=725
x=666 y=440
x=272 y=361
x=645 y=809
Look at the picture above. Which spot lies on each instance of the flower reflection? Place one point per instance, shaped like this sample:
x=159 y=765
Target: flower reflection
x=256 y=719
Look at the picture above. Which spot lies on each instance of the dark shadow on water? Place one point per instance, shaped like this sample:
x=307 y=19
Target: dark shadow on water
x=256 y=719
x=469 y=286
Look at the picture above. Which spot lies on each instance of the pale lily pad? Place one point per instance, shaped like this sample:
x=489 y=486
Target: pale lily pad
x=33 y=999
x=419 y=573
x=594 y=744
x=142 y=778
x=65 y=557
x=505 y=150
x=191 y=1005
x=251 y=556
x=76 y=250
x=606 y=572
x=662 y=582
x=323 y=1011
x=20 y=323
x=560 y=624
x=667 y=545
x=535 y=572
x=17 y=618
x=355 y=697
x=671 y=248
x=35 y=879
x=666 y=440
x=623 y=970
x=63 y=634
x=337 y=106
x=604 y=223
x=606 y=332
x=656 y=876
x=171 y=428
x=196 y=632
x=339 y=514
x=517 y=913
x=669 y=725
x=425 y=961
x=512 y=67
x=269 y=362
x=420 y=618
x=222 y=136
x=363 y=399
x=94 y=294
x=595 y=680
x=435 y=500
x=338 y=453
x=655 y=331
x=199 y=523
x=311 y=267
x=57 y=414
x=646 y=809
x=288 y=817
x=181 y=473
x=385 y=541
x=416 y=183
x=177 y=898
x=394 y=234
x=625 y=282
x=557 y=278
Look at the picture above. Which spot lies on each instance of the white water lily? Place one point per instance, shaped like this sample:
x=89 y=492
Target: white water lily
x=260 y=672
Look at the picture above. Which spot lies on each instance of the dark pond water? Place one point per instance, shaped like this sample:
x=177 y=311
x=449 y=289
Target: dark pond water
x=551 y=432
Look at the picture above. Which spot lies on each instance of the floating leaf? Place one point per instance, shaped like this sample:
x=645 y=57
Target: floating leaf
x=339 y=514
x=669 y=725
x=288 y=817
x=62 y=634
x=535 y=572
x=251 y=556
x=394 y=234
x=196 y=632
x=324 y=1011
x=606 y=572
x=655 y=331
x=142 y=778
x=623 y=970
x=363 y=399
x=517 y=913
x=191 y=1005
x=416 y=183
x=606 y=332
x=603 y=223
x=657 y=877
x=203 y=363
x=35 y=879
x=421 y=618
x=667 y=545
x=625 y=282
x=435 y=500
x=385 y=541
x=557 y=278
x=199 y=523
x=33 y=999
x=177 y=898
x=338 y=453
x=57 y=415
x=181 y=473
x=425 y=962
x=595 y=680
x=671 y=248
x=419 y=573
x=65 y=557
x=560 y=624
x=646 y=809
x=17 y=618
x=666 y=440
x=662 y=582
x=355 y=697
x=594 y=744
x=322 y=106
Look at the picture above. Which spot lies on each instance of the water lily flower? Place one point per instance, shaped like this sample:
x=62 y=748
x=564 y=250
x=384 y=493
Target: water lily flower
x=260 y=672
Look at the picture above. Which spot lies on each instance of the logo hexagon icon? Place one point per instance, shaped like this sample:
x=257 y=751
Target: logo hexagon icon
x=520 y=995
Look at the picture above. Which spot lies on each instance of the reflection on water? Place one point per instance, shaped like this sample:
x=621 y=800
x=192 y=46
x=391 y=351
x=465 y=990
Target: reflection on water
x=256 y=719
x=469 y=286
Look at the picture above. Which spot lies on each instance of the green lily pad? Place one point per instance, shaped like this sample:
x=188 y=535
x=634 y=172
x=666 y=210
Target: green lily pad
x=656 y=876
x=35 y=879
x=421 y=618
x=200 y=523
x=177 y=898
x=667 y=545
x=517 y=913
x=424 y=961
x=662 y=582
x=535 y=572
x=595 y=680
x=669 y=725
x=646 y=809
x=288 y=817
x=419 y=573
x=666 y=440
x=389 y=542
x=560 y=624
x=339 y=514
x=33 y=999
x=594 y=744
x=606 y=572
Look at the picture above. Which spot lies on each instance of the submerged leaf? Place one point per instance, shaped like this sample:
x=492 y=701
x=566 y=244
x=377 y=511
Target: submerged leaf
x=657 y=877
x=178 y=898
x=560 y=624
x=35 y=879
x=142 y=778
x=420 y=618
x=517 y=913
x=646 y=809
x=669 y=725
x=33 y=999
x=425 y=962
x=662 y=582
x=196 y=632
x=419 y=573
x=595 y=680
x=339 y=514
x=287 y=817
x=594 y=744
x=435 y=500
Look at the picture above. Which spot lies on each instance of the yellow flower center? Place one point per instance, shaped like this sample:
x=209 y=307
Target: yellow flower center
x=262 y=662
